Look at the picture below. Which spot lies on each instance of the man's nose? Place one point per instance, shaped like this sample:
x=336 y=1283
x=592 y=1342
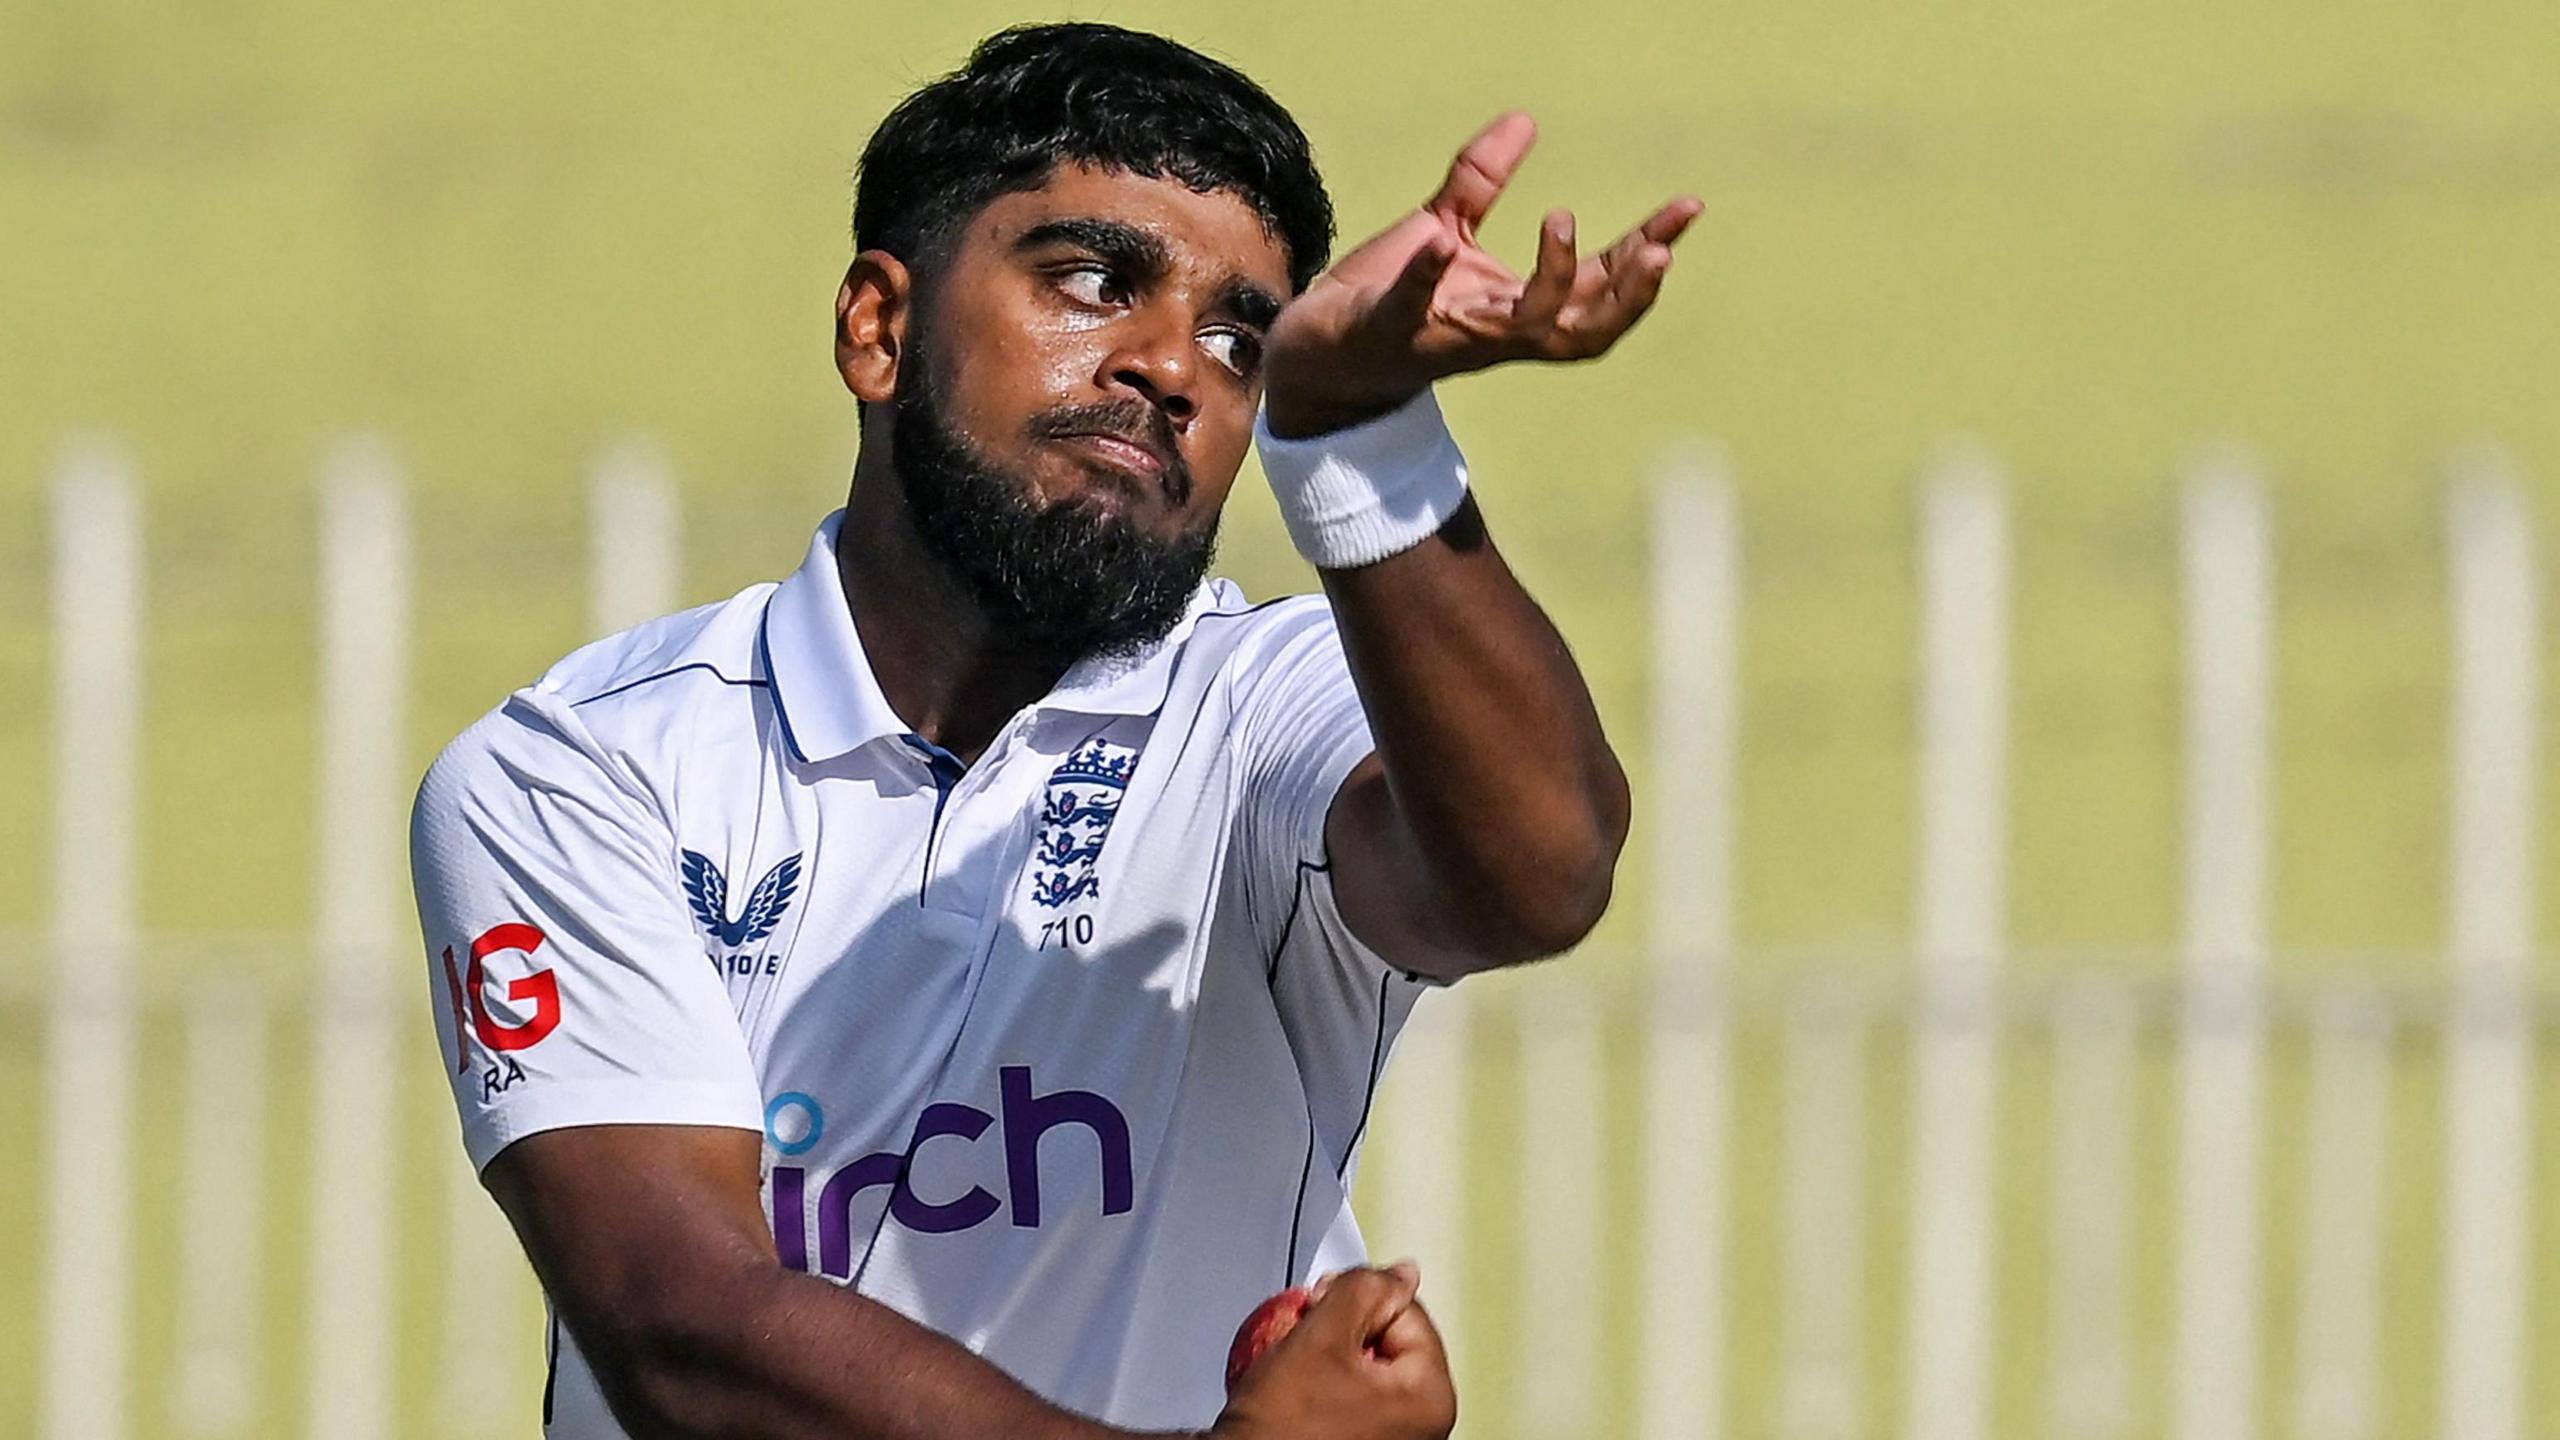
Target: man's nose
x=1158 y=359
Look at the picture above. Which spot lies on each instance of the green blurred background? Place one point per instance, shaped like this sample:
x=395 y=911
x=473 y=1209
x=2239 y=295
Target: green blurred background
x=2093 y=238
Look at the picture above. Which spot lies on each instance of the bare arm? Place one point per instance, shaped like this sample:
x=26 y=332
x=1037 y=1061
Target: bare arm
x=1486 y=828
x=652 y=1244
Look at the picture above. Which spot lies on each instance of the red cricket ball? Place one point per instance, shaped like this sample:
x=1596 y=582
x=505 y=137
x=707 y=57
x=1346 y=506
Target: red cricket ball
x=1263 y=1328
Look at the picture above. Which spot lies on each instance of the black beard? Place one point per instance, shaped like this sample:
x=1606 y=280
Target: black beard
x=1058 y=582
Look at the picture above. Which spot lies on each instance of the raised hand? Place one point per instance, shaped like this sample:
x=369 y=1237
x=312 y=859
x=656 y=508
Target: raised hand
x=1423 y=299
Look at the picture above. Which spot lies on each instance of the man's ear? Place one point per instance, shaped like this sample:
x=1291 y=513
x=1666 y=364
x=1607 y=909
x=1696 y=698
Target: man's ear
x=873 y=308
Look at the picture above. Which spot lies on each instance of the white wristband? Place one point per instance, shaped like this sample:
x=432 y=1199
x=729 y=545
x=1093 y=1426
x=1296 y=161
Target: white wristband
x=1357 y=495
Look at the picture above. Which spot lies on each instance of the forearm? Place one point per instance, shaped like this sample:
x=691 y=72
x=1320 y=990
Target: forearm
x=672 y=1290
x=1500 y=776
x=771 y=1354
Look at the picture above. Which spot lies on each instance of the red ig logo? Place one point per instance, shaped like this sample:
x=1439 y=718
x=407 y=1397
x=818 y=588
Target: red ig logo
x=541 y=989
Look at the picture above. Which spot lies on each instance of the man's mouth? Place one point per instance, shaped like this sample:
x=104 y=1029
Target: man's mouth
x=1125 y=454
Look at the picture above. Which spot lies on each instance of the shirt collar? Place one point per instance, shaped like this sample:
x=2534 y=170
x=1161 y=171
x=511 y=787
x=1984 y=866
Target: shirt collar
x=823 y=688
x=831 y=704
x=1135 y=683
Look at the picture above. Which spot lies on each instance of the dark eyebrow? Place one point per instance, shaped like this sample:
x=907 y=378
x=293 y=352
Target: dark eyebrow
x=1132 y=249
x=1251 y=303
x=1146 y=259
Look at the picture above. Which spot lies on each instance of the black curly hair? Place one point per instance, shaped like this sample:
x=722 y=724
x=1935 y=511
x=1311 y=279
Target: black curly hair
x=1035 y=96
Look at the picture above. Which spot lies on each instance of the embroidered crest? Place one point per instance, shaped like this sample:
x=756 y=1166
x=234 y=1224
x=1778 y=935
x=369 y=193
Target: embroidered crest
x=1075 y=815
x=708 y=890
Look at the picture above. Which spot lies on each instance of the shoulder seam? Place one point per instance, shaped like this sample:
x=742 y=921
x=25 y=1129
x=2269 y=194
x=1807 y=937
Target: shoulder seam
x=702 y=665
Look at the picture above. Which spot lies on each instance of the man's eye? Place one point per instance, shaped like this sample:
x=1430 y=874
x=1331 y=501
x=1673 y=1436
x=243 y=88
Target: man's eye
x=1092 y=284
x=1242 y=351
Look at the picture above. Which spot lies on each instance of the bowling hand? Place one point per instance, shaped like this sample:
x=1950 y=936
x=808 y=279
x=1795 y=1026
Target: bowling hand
x=1365 y=1363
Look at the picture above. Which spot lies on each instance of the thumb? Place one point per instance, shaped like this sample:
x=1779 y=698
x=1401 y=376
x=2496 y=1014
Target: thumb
x=1359 y=1306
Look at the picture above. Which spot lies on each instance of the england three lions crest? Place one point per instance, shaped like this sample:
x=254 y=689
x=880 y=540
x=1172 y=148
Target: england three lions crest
x=1075 y=815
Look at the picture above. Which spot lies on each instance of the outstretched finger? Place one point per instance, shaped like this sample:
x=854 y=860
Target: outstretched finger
x=1552 y=283
x=1634 y=284
x=1484 y=165
x=1406 y=304
x=1664 y=225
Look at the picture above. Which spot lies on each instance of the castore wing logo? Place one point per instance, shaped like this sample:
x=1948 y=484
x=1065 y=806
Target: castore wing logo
x=708 y=890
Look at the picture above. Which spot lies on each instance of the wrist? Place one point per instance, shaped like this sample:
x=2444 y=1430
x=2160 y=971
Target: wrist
x=1291 y=417
x=1357 y=494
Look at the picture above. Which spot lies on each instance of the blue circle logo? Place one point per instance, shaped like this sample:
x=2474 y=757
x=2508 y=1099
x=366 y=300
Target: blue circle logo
x=793 y=1122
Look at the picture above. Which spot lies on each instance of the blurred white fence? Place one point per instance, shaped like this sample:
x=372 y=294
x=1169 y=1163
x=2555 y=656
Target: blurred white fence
x=1959 y=1015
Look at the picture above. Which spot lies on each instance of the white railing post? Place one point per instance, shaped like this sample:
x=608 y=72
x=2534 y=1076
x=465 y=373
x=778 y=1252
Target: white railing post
x=2228 y=635
x=1565 y=1159
x=1822 y=1220
x=2488 y=1094
x=223 y=1167
x=633 y=553
x=2346 y=1144
x=1421 y=1164
x=1960 y=929
x=1697 y=647
x=356 y=1037
x=487 y=1285
x=89 y=1103
x=2089 y=1392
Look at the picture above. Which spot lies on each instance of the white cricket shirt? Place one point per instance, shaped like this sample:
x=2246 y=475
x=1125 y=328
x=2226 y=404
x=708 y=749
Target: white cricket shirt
x=1066 y=1054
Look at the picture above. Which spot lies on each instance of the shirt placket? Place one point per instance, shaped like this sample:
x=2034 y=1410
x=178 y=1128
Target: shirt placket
x=969 y=846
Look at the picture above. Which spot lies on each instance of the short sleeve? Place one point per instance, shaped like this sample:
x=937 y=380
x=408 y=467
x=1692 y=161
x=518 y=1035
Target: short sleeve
x=566 y=980
x=1300 y=732
x=1342 y=1005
